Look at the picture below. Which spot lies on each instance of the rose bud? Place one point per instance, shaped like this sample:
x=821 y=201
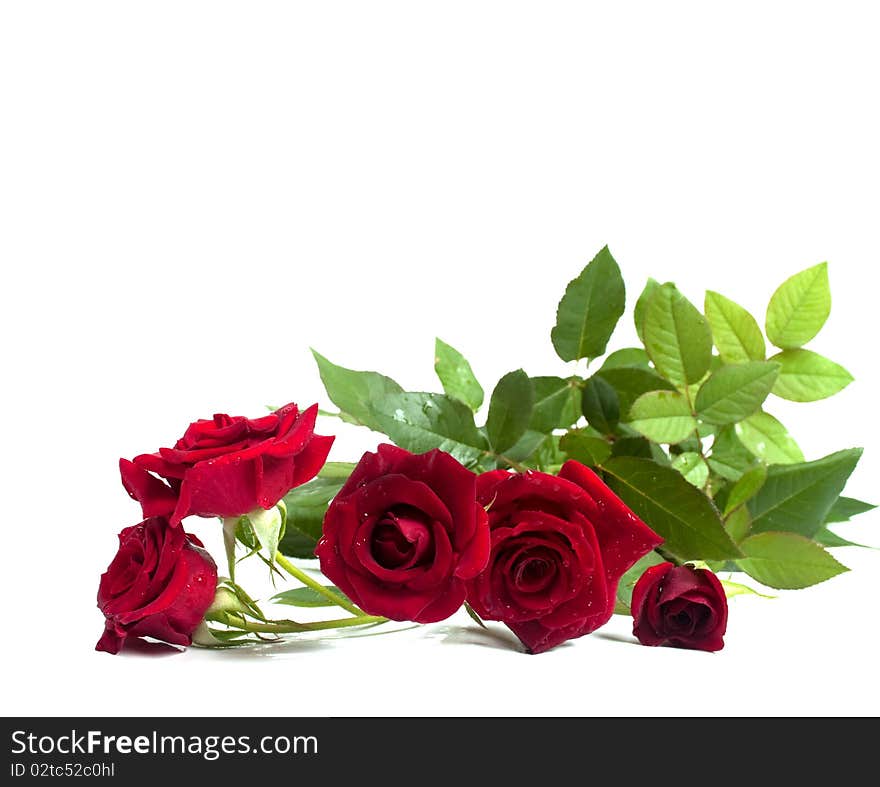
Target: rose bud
x=228 y=466
x=160 y=584
x=404 y=533
x=559 y=547
x=680 y=606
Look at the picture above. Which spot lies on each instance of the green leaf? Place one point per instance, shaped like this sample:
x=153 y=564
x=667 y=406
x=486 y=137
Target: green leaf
x=640 y=447
x=799 y=308
x=735 y=392
x=845 y=508
x=662 y=416
x=306 y=506
x=787 y=561
x=557 y=403
x=693 y=467
x=736 y=333
x=797 y=498
x=641 y=307
x=729 y=458
x=806 y=376
x=746 y=488
x=674 y=508
x=419 y=422
x=738 y=523
x=627 y=358
x=306 y=597
x=629 y=579
x=631 y=383
x=522 y=449
x=510 y=410
x=355 y=393
x=456 y=375
x=732 y=589
x=828 y=539
x=589 y=310
x=768 y=439
x=677 y=337
x=338 y=470
x=591 y=451
x=600 y=405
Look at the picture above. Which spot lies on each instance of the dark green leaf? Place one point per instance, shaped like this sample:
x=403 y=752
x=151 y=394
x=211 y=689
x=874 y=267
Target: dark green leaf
x=787 y=561
x=589 y=310
x=306 y=506
x=799 y=308
x=631 y=383
x=735 y=392
x=738 y=523
x=736 y=333
x=845 y=508
x=627 y=358
x=510 y=410
x=729 y=458
x=456 y=375
x=523 y=449
x=677 y=337
x=419 y=422
x=306 y=597
x=557 y=403
x=355 y=393
x=806 y=376
x=828 y=539
x=797 y=498
x=674 y=508
x=591 y=451
x=600 y=404
x=642 y=307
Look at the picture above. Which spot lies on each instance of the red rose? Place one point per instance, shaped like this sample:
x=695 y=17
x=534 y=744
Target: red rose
x=160 y=584
x=228 y=466
x=404 y=534
x=559 y=547
x=679 y=605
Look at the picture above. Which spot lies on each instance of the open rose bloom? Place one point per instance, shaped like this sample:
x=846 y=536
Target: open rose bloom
x=228 y=466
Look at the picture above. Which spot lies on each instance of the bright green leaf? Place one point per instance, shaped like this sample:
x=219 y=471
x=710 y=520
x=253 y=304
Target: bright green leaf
x=736 y=333
x=738 y=523
x=729 y=458
x=642 y=307
x=339 y=470
x=693 y=467
x=797 y=498
x=746 y=488
x=827 y=538
x=677 y=337
x=510 y=410
x=627 y=358
x=662 y=416
x=732 y=589
x=631 y=383
x=787 y=561
x=355 y=393
x=600 y=405
x=806 y=376
x=557 y=403
x=769 y=440
x=591 y=451
x=589 y=310
x=629 y=579
x=456 y=375
x=799 y=308
x=735 y=392
x=674 y=508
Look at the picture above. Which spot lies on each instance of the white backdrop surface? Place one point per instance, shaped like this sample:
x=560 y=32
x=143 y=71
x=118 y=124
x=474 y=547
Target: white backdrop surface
x=193 y=194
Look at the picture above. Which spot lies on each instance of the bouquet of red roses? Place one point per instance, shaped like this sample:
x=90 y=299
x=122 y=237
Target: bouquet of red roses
x=627 y=490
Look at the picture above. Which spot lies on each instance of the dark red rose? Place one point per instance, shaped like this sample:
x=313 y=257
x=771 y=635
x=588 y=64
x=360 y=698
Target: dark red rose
x=559 y=547
x=160 y=584
x=404 y=534
x=681 y=606
x=228 y=466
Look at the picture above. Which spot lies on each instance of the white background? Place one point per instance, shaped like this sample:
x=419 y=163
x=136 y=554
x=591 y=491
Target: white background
x=192 y=194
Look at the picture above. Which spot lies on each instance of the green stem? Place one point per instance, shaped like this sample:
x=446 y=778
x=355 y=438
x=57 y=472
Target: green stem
x=329 y=413
x=292 y=627
x=336 y=598
x=668 y=556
